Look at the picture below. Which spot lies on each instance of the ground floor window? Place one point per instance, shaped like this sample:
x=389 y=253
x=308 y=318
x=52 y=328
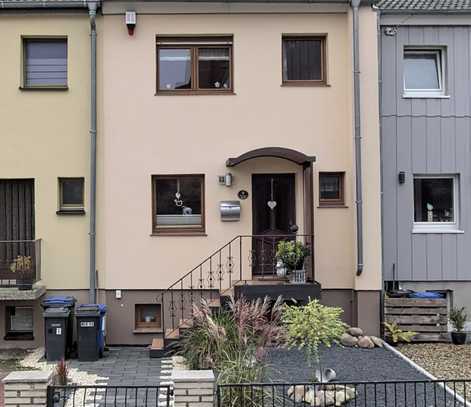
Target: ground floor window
x=435 y=201
x=148 y=317
x=19 y=323
x=331 y=189
x=178 y=203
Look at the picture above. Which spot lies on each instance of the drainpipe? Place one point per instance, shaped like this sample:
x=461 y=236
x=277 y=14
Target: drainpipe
x=355 y=4
x=92 y=8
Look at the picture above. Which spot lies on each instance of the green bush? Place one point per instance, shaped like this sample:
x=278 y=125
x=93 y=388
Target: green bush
x=291 y=253
x=310 y=326
x=458 y=318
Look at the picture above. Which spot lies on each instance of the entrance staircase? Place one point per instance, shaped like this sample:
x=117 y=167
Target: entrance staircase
x=243 y=262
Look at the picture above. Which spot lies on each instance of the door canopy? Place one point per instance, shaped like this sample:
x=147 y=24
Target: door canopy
x=276 y=152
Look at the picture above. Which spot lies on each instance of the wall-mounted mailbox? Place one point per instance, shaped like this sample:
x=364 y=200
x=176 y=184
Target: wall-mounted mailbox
x=230 y=211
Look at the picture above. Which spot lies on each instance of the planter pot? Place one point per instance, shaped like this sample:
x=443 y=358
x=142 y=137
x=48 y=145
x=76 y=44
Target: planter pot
x=298 y=277
x=281 y=270
x=458 y=338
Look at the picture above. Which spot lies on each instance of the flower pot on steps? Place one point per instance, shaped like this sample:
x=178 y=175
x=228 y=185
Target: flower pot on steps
x=458 y=338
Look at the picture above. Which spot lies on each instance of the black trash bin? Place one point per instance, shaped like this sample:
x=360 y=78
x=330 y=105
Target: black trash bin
x=90 y=331
x=56 y=324
x=68 y=303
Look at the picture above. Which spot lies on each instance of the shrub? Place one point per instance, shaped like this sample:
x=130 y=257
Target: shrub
x=458 y=318
x=313 y=325
x=61 y=373
x=292 y=254
x=396 y=334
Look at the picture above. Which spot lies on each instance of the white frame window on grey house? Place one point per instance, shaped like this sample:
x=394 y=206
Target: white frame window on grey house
x=436 y=204
x=424 y=72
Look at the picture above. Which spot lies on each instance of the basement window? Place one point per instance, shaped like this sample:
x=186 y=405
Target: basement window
x=148 y=318
x=19 y=323
x=424 y=72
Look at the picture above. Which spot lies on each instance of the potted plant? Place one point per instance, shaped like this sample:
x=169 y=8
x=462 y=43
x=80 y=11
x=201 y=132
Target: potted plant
x=23 y=265
x=292 y=253
x=458 y=318
x=395 y=335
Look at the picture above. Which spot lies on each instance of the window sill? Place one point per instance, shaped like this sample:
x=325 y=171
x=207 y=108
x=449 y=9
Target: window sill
x=18 y=337
x=28 y=88
x=182 y=233
x=305 y=84
x=327 y=206
x=196 y=93
x=71 y=212
x=425 y=96
x=148 y=331
x=437 y=231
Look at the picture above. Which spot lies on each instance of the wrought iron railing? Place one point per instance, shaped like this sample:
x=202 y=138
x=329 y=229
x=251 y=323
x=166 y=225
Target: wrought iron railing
x=20 y=263
x=244 y=258
x=112 y=396
x=422 y=393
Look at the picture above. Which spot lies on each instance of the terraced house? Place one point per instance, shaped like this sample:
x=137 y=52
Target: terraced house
x=223 y=129
x=44 y=156
x=425 y=121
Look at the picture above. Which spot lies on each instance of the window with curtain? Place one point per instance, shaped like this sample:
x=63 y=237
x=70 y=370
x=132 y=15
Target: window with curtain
x=178 y=203
x=304 y=60
x=45 y=62
x=189 y=65
x=331 y=189
x=19 y=323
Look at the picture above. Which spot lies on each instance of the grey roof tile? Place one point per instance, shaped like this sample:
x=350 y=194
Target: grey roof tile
x=426 y=5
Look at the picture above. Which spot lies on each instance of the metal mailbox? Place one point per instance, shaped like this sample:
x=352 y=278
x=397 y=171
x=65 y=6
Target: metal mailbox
x=230 y=211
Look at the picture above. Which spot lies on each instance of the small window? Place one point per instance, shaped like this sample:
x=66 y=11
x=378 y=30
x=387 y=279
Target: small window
x=45 y=62
x=19 y=323
x=331 y=189
x=178 y=203
x=71 y=195
x=435 y=202
x=194 y=65
x=148 y=317
x=303 y=60
x=424 y=72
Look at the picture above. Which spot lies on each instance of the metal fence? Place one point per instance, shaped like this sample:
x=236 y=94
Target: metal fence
x=20 y=263
x=426 y=393
x=111 y=396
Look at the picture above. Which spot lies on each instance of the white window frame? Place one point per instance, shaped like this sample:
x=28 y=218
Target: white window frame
x=440 y=57
x=439 y=227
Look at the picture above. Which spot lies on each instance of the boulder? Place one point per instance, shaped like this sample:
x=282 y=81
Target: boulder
x=377 y=341
x=296 y=393
x=348 y=340
x=355 y=331
x=365 y=342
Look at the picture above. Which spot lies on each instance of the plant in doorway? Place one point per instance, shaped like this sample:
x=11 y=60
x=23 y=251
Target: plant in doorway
x=458 y=319
x=291 y=254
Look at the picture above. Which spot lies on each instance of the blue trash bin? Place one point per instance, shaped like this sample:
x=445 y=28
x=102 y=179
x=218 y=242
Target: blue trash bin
x=68 y=303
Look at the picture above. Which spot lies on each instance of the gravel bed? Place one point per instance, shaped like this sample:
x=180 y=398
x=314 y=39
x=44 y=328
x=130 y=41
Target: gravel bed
x=359 y=365
x=443 y=360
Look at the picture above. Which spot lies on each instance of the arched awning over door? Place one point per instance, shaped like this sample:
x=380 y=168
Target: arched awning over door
x=275 y=152
x=299 y=158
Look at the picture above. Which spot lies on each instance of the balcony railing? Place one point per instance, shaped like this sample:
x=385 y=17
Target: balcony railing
x=20 y=263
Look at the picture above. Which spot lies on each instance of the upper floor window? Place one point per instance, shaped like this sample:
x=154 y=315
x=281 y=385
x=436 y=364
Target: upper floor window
x=435 y=202
x=178 y=204
x=45 y=63
x=194 y=65
x=424 y=72
x=304 y=60
x=331 y=189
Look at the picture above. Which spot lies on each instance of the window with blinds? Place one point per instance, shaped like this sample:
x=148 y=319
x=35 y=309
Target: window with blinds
x=45 y=62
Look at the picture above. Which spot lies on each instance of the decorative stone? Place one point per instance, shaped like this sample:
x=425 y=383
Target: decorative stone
x=365 y=342
x=296 y=393
x=348 y=340
x=377 y=341
x=355 y=331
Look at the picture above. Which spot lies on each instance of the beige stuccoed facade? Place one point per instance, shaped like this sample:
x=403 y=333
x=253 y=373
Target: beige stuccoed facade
x=144 y=134
x=44 y=136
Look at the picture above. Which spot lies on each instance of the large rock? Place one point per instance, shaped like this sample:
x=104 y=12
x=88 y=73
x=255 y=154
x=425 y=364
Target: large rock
x=365 y=342
x=296 y=393
x=329 y=396
x=377 y=341
x=348 y=340
x=355 y=331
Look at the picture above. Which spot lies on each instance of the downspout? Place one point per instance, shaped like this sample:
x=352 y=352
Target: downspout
x=92 y=9
x=357 y=133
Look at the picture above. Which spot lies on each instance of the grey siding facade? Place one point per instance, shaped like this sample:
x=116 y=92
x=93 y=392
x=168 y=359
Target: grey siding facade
x=425 y=136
